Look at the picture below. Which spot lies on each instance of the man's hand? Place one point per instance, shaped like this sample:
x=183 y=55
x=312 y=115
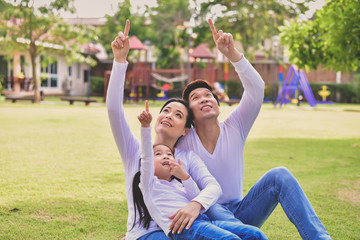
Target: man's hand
x=145 y=117
x=120 y=46
x=225 y=43
x=185 y=217
x=177 y=169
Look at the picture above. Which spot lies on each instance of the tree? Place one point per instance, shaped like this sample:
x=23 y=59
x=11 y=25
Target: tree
x=332 y=39
x=115 y=23
x=166 y=18
x=249 y=21
x=41 y=30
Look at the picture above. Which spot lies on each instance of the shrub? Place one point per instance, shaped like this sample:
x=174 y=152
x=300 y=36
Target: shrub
x=97 y=85
x=349 y=92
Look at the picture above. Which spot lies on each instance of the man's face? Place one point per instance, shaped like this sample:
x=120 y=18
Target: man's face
x=203 y=104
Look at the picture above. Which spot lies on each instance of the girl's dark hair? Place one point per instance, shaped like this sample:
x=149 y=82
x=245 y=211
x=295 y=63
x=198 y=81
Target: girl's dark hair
x=139 y=204
x=189 y=118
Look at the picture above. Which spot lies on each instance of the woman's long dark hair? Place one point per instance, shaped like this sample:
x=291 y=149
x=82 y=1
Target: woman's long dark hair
x=139 y=204
x=138 y=198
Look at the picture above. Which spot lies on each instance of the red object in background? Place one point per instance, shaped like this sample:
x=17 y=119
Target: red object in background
x=135 y=43
x=166 y=87
x=280 y=68
x=226 y=76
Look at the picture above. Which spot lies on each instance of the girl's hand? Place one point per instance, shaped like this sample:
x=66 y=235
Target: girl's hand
x=145 y=117
x=225 y=43
x=178 y=170
x=120 y=46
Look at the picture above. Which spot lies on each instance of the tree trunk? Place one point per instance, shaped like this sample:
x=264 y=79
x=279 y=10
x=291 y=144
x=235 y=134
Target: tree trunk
x=180 y=58
x=35 y=78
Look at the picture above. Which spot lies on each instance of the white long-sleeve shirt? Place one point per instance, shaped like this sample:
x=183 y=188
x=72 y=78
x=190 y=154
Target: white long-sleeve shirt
x=162 y=197
x=226 y=163
x=130 y=153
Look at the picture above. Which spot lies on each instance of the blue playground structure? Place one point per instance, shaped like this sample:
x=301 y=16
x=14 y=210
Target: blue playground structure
x=295 y=80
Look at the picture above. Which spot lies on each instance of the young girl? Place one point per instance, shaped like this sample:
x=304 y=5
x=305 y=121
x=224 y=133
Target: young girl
x=164 y=195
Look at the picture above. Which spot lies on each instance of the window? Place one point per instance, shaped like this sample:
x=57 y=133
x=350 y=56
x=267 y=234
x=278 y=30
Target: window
x=49 y=74
x=22 y=64
x=78 y=70
x=70 y=71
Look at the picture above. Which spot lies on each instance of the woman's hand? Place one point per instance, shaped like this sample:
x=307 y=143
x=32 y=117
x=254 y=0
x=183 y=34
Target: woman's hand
x=185 y=217
x=177 y=169
x=225 y=43
x=145 y=117
x=120 y=46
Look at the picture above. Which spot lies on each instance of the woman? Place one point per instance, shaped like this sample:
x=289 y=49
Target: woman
x=172 y=123
x=163 y=186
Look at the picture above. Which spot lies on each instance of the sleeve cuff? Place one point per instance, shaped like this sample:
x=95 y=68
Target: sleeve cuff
x=115 y=63
x=241 y=65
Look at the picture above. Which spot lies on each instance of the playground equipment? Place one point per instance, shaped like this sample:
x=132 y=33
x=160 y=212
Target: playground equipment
x=295 y=81
x=323 y=93
x=220 y=91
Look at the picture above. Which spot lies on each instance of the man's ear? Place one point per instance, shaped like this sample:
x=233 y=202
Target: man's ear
x=186 y=130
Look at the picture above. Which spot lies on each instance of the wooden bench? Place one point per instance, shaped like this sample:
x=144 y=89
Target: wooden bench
x=16 y=97
x=79 y=99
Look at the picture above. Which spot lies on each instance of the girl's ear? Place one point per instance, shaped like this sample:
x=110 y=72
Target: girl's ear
x=186 y=130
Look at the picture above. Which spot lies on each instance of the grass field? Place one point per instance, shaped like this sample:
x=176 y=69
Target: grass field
x=61 y=176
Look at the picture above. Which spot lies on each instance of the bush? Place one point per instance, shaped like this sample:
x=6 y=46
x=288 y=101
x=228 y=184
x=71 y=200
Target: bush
x=349 y=92
x=234 y=89
x=97 y=85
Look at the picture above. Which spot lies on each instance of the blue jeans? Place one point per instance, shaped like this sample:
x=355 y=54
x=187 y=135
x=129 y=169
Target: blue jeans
x=155 y=235
x=203 y=229
x=277 y=186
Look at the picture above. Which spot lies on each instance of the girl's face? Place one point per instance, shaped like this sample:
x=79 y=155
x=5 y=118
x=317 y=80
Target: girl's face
x=162 y=158
x=171 y=121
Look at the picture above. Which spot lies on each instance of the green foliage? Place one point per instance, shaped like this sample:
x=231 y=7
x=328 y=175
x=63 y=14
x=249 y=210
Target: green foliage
x=349 y=92
x=2 y=87
x=332 y=39
x=234 y=88
x=165 y=19
x=116 y=23
x=200 y=64
x=249 y=21
x=97 y=85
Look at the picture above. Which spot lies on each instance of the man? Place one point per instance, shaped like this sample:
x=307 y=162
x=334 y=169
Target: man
x=221 y=147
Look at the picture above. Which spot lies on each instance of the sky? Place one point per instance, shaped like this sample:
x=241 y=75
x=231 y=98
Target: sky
x=98 y=8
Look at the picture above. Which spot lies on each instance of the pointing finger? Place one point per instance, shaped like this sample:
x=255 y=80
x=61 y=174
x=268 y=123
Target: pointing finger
x=212 y=27
x=127 y=28
x=147 y=106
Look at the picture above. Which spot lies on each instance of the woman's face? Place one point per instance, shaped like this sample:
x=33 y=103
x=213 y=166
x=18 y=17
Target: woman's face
x=171 y=121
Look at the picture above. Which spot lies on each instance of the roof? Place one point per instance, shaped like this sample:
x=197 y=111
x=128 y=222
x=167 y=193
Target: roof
x=202 y=51
x=135 y=43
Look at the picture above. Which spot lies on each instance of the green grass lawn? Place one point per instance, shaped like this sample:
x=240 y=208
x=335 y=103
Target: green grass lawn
x=61 y=176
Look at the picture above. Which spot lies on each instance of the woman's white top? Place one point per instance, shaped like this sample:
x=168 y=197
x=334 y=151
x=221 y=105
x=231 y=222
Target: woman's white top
x=129 y=149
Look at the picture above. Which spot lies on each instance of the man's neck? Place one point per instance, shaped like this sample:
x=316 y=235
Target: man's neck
x=208 y=132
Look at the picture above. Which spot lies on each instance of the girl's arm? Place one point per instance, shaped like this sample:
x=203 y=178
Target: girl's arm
x=209 y=194
x=147 y=160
